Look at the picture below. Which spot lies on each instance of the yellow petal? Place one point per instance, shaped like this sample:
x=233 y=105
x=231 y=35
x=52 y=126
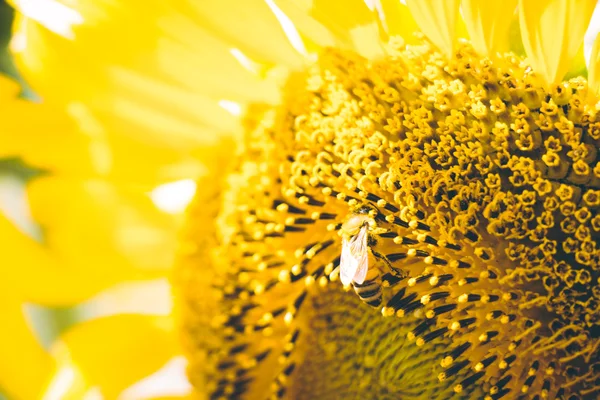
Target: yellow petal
x=236 y=23
x=553 y=32
x=110 y=354
x=351 y=22
x=314 y=32
x=24 y=364
x=104 y=228
x=172 y=42
x=437 y=20
x=34 y=273
x=164 y=78
x=594 y=70
x=488 y=23
x=123 y=93
x=47 y=138
x=398 y=19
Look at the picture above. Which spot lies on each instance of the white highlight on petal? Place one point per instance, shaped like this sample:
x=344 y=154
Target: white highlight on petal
x=375 y=6
x=54 y=15
x=288 y=28
x=232 y=107
x=18 y=42
x=93 y=394
x=60 y=384
x=170 y=380
x=151 y=297
x=245 y=61
x=174 y=197
x=590 y=35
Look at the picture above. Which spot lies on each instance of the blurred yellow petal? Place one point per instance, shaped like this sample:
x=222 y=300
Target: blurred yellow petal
x=110 y=354
x=594 y=70
x=9 y=89
x=398 y=19
x=313 y=31
x=24 y=364
x=36 y=275
x=104 y=228
x=347 y=25
x=45 y=137
x=169 y=381
x=437 y=20
x=353 y=20
x=171 y=42
x=488 y=23
x=148 y=85
x=235 y=22
x=171 y=114
x=184 y=397
x=552 y=32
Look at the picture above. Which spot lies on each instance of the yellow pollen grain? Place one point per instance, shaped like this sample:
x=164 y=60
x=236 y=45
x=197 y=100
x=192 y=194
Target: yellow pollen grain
x=309 y=280
x=243 y=277
x=288 y=317
x=259 y=289
x=284 y=276
x=296 y=269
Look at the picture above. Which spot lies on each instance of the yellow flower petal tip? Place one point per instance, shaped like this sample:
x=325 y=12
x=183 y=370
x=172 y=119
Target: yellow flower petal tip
x=488 y=24
x=594 y=71
x=552 y=32
x=437 y=20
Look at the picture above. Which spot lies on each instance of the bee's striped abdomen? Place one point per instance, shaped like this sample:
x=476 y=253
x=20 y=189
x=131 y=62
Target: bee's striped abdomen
x=370 y=290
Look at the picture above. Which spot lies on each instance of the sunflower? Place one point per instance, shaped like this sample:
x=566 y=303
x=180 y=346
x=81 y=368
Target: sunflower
x=474 y=163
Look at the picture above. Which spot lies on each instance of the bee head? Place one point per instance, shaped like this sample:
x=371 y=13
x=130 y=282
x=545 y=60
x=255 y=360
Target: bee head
x=366 y=209
x=359 y=217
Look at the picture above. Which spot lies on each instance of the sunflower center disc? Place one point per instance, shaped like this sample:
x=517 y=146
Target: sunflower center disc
x=486 y=187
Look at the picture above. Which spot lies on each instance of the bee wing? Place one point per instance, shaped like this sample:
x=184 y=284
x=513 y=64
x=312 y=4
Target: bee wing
x=354 y=261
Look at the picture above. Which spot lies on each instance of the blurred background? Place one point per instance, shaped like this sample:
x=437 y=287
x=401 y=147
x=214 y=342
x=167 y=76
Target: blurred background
x=48 y=322
x=144 y=297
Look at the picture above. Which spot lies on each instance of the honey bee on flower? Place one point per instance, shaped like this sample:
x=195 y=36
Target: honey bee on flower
x=358 y=241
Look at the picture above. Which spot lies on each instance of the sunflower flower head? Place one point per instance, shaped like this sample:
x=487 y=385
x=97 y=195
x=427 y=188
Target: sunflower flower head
x=481 y=173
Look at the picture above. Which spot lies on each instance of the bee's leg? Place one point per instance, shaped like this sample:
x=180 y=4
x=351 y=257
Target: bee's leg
x=379 y=231
x=396 y=271
x=371 y=241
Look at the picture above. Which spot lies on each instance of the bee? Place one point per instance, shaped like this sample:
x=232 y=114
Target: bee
x=358 y=243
